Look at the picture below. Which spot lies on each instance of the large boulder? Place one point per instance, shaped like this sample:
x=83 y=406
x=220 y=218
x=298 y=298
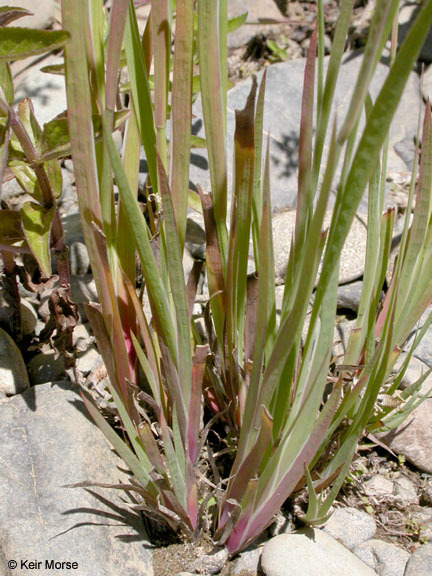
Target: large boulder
x=282 y=119
x=46 y=442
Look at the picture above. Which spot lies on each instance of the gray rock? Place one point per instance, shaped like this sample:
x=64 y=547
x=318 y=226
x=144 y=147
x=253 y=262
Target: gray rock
x=379 y=486
x=72 y=228
x=68 y=164
x=423 y=518
x=353 y=252
x=350 y=526
x=82 y=337
x=45 y=367
x=28 y=317
x=413 y=438
x=211 y=563
x=68 y=199
x=13 y=373
x=46 y=91
x=79 y=259
x=407 y=16
x=263 y=10
x=385 y=558
x=426 y=495
x=83 y=289
x=188 y=263
x=415 y=370
x=424 y=349
x=247 y=563
x=420 y=563
x=43 y=13
x=427 y=84
x=46 y=442
x=282 y=119
x=310 y=551
x=88 y=360
x=341 y=335
x=348 y=296
x=406 y=490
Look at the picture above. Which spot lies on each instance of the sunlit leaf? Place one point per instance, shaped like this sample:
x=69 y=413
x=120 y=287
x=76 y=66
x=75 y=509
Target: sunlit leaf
x=6 y=82
x=18 y=43
x=236 y=22
x=36 y=223
x=10 y=229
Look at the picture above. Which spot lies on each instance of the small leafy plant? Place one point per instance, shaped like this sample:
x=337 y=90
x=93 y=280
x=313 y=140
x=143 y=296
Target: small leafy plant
x=220 y=428
x=27 y=154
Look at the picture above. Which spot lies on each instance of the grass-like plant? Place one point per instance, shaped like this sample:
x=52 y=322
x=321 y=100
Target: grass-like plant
x=251 y=381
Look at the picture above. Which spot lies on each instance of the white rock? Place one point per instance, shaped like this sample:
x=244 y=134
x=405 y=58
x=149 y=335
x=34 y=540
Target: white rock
x=416 y=369
x=378 y=485
x=43 y=10
x=46 y=91
x=13 y=373
x=406 y=490
x=310 y=552
x=385 y=558
x=427 y=84
x=256 y=11
x=29 y=317
x=350 y=526
x=88 y=360
x=247 y=563
x=423 y=519
x=413 y=438
x=353 y=252
x=79 y=258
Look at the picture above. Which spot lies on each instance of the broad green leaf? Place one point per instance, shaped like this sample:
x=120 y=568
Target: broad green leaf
x=236 y=22
x=6 y=82
x=27 y=116
x=27 y=179
x=18 y=43
x=194 y=201
x=36 y=223
x=10 y=229
x=55 y=136
x=10 y=13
